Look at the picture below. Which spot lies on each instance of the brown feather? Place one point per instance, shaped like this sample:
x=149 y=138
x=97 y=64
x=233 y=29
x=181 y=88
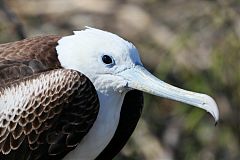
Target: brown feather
x=27 y=57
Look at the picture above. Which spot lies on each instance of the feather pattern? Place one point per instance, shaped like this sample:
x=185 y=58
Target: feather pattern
x=45 y=111
x=27 y=57
x=46 y=117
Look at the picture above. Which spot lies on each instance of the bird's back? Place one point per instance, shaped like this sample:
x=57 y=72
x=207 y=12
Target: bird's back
x=27 y=57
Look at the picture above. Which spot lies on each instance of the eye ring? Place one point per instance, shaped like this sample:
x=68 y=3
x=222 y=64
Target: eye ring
x=107 y=59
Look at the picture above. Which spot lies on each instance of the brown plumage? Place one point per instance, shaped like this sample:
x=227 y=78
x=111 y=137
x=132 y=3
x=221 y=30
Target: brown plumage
x=62 y=107
x=28 y=57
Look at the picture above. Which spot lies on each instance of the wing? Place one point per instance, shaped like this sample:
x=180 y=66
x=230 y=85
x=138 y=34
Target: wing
x=27 y=57
x=45 y=116
x=130 y=113
x=44 y=110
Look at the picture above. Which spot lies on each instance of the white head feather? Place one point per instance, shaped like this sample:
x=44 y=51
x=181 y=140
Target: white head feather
x=84 y=50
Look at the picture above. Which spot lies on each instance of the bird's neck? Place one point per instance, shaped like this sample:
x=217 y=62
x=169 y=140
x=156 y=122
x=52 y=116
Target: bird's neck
x=103 y=129
x=110 y=104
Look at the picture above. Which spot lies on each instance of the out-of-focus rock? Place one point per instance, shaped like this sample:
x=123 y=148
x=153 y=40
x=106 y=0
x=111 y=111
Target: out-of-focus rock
x=132 y=20
x=36 y=7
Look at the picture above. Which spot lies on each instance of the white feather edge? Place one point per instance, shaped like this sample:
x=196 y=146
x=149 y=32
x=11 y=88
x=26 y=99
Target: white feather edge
x=14 y=99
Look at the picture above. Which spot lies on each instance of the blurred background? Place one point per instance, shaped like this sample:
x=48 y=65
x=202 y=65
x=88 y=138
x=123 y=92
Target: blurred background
x=192 y=44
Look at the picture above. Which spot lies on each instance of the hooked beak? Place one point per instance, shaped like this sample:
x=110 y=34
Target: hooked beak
x=139 y=78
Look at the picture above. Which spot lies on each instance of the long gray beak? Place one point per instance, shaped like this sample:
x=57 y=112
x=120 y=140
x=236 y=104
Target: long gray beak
x=139 y=78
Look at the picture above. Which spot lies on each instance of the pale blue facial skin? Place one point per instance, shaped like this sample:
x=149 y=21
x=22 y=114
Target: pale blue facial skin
x=125 y=73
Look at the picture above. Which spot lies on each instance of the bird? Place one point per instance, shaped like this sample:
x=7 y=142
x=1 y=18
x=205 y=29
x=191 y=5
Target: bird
x=76 y=97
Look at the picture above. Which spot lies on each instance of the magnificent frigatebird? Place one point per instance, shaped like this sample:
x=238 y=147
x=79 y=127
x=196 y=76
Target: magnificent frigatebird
x=76 y=97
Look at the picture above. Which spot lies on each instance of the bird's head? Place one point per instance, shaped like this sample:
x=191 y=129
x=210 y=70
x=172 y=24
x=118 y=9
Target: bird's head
x=113 y=65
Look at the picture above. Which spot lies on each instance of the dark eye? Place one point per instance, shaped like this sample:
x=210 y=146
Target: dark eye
x=107 y=59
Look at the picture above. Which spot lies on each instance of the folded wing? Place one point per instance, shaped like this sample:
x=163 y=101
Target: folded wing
x=45 y=115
